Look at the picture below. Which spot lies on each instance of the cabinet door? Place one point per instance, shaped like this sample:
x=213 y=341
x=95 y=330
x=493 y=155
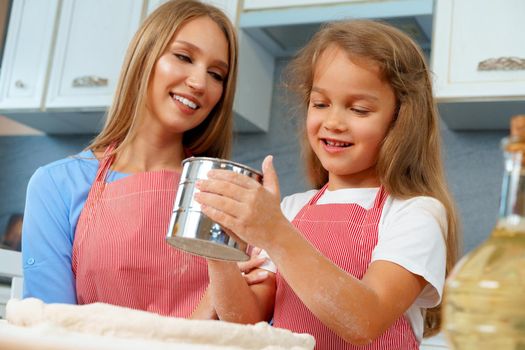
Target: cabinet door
x=92 y=39
x=26 y=55
x=467 y=34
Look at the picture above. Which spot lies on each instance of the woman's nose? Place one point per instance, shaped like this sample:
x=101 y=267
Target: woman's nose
x=196 y=81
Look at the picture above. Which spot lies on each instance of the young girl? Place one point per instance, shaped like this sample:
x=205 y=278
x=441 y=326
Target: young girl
x=366 y=254
x=95 y=224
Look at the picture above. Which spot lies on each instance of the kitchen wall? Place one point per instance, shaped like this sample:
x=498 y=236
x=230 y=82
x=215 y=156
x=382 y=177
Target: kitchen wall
x=473 y=163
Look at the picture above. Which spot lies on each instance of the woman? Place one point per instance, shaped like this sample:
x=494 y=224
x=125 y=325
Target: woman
x=95 y=223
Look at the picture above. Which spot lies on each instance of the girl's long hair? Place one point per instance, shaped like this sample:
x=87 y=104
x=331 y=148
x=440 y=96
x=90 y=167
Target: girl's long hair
x=213 y=137
x=409 y=161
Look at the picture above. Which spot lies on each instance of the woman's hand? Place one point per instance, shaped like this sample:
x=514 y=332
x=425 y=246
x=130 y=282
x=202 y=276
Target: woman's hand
x=242 y=205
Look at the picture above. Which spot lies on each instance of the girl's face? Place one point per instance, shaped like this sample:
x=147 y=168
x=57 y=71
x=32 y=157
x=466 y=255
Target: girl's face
x=188 y=78
x=349 y=113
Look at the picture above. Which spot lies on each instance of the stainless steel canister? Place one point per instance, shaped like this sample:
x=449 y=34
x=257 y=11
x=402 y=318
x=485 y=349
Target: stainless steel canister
x=191 y=230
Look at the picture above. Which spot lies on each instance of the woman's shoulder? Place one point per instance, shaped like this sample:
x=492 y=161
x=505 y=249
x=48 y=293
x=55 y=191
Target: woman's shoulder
x=83 y=163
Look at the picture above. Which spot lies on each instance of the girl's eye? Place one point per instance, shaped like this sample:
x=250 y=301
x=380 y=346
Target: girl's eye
x=216 y=76
x=319 y=105
x=359 y=111
x=183 y=57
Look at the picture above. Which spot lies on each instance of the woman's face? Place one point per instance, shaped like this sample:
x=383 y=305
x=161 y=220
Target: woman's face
x=188 y=78
x=349 y=114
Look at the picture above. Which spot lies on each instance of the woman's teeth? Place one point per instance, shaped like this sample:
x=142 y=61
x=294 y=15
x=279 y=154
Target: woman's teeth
x=185 y=101
x=337 y=143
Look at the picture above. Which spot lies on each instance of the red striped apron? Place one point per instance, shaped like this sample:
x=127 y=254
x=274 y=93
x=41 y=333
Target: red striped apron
x=120 y=255
x=346 y=234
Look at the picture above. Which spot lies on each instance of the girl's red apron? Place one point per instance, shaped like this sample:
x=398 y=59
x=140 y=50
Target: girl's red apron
x=120 y=255
x=346 y=234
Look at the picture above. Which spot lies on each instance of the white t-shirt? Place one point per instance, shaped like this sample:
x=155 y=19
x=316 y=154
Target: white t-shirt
x=411 y=234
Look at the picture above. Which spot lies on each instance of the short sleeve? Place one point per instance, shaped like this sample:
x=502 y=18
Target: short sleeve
x=47 y=242
x=413 y=236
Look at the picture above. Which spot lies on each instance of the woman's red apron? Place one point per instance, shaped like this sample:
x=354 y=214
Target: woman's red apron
x=346 y=234
x=120 y=255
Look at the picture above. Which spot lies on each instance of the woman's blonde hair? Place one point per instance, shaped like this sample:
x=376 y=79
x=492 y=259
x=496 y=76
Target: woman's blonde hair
x=213 y=137
x=409 y=161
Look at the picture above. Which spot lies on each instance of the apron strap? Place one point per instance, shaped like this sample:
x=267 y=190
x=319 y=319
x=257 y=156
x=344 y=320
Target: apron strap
x=105 y=163
x=381 y=196
x=318 y=195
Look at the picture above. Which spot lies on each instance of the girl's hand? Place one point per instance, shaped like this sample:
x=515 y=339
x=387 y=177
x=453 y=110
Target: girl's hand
x=242 y=205
x=249 y=269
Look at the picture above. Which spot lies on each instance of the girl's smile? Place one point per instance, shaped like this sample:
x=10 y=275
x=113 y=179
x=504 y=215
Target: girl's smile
x=334 y=146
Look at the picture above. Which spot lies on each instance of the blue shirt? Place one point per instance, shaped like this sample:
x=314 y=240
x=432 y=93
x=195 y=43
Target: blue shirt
x=56 y=194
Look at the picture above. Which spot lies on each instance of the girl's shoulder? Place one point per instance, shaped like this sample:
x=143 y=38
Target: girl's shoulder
x=421 y=204
x=292 y=204
x=426 y=210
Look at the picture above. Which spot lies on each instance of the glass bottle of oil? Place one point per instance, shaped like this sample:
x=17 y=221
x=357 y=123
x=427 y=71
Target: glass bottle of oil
x=484 y=306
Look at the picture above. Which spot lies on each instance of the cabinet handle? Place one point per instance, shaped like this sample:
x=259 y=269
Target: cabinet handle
x=90 y=81
x=502 y=63
x=20 y=84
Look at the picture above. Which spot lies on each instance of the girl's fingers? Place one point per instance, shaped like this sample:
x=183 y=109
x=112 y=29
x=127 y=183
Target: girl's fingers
x=270 y=180
x=230 y=176
x=255 y=251
x=221 y=187
x=257 y=276
x=226 y=221
x=247 y=266
x=218 y=202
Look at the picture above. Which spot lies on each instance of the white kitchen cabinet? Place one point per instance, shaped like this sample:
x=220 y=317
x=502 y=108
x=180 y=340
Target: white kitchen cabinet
x=90 y=46
x=62 y=59
x=27 y=52
x=478 y=61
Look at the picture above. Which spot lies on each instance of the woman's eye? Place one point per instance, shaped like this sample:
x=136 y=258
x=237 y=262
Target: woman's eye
x=183 y=57
x=216 y=76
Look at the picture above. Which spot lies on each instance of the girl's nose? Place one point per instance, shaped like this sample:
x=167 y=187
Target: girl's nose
x=334 y=121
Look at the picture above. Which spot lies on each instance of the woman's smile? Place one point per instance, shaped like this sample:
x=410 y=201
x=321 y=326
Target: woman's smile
x=187 y=104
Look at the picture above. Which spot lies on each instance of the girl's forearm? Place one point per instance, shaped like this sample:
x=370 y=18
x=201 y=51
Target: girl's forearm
x=343 y=303
x=205 y=309
x=232 y=298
